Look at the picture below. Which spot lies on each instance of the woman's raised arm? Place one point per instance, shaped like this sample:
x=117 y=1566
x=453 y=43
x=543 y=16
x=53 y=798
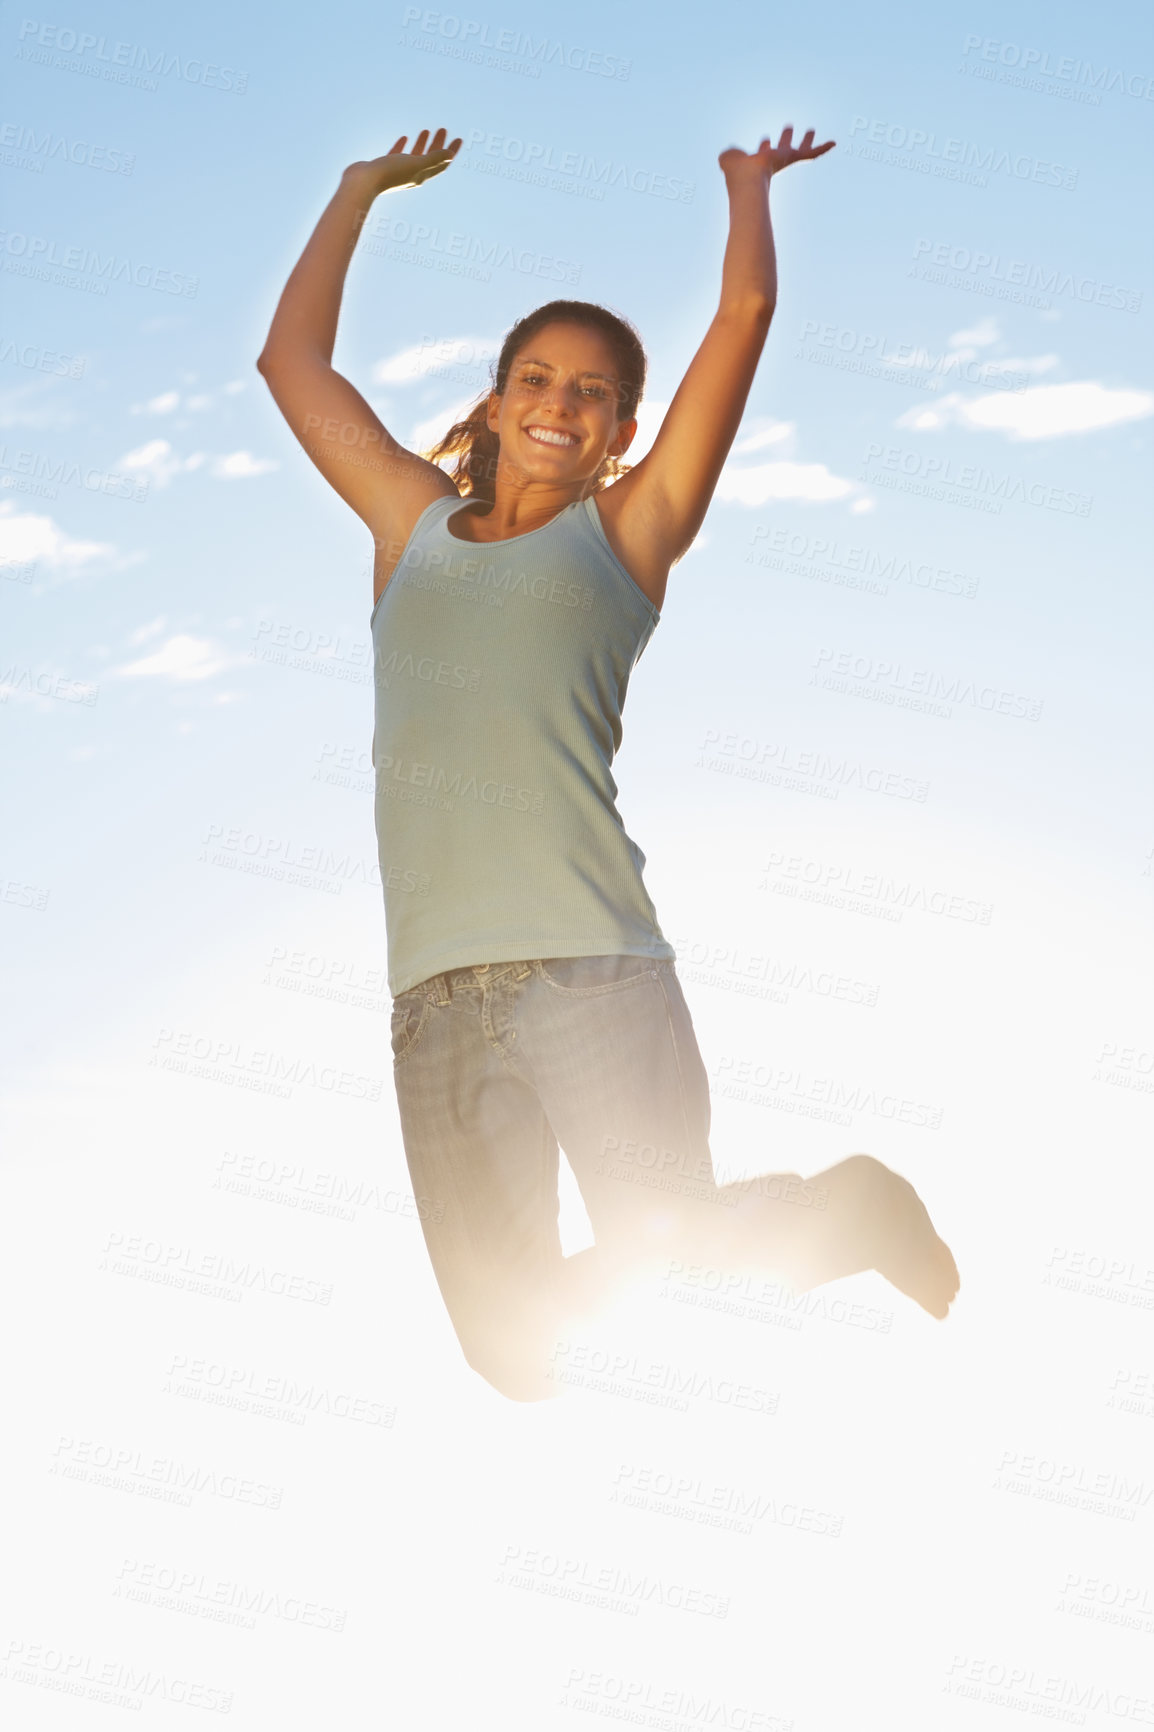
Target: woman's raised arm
x=672 y=485
x=338 y=430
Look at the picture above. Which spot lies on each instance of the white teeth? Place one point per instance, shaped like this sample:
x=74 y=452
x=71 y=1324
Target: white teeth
x=545 y=438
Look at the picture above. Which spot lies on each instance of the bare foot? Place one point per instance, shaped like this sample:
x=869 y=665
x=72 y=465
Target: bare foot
x=876 y=1220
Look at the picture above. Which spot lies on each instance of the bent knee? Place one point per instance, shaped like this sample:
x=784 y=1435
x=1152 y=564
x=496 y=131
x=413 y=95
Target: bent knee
x=518 y=1382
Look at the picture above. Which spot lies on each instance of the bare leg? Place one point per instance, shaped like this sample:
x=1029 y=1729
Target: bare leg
x=854 y=1216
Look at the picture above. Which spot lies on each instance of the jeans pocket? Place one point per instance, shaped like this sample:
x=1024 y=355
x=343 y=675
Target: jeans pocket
x=411 y=1011
x=579 y=976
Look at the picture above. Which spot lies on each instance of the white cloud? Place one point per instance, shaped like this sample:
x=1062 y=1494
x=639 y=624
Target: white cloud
x=1043 y=412
x=144 y=632
x=25 y=406
x=865 y=504
x=1029 y=364
x=811 y=482
x=181 y=658
x=650 y=415
x=166 y=402
x=979 y=336
x=26 y=535
x=157 y=461
x=763 y=432
x=421 y=359
x=427 y=432
x=241 y=466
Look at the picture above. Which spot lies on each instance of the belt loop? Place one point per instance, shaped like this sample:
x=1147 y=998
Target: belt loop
x=440 y=989
x=523 y=969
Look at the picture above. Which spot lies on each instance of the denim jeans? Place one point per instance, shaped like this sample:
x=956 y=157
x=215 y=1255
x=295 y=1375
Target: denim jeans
x=496 y=1065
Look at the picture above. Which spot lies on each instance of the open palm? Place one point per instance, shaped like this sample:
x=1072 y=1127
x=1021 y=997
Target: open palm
x=399 y=167
x=774 y=157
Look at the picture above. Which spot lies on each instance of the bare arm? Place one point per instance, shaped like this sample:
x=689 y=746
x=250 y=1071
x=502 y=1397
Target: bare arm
x=675 y=480
x=342 y=435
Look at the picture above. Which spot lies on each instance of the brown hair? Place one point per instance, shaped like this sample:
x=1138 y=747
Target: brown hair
x=476 y=447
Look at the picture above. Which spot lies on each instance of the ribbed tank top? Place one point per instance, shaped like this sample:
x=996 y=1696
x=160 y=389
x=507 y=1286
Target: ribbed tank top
x=500 y=674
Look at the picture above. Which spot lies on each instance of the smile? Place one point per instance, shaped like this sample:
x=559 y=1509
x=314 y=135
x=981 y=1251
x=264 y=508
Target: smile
x=546 y=436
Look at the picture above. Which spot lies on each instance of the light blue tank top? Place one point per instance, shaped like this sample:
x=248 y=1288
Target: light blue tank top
x=500 y=674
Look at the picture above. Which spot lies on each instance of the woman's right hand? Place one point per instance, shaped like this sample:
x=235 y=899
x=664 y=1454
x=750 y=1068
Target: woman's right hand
x=399 y=167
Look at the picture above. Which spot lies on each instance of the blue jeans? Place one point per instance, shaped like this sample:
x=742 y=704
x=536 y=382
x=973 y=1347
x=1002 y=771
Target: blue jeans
x=498 y=1064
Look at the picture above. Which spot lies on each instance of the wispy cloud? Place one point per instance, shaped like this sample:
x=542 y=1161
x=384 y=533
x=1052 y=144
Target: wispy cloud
x=812 y=483
x=181 y=658
x=168 y=402
x=764 y=432
x=165 y=404
x=157 y=461
x=144 y=632
x=978 y=336
x=426 y=433
x=31 y=405
x=241 y=466
x=421 y=359
x=28 y=535
x=1042 y=412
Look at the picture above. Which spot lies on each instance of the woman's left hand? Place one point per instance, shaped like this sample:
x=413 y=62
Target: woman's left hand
x=769 y=158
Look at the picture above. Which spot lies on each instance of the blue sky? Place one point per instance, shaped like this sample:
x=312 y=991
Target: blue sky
x=893 y=725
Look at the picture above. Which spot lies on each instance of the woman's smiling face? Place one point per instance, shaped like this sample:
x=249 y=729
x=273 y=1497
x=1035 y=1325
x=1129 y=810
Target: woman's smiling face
x=557 y=418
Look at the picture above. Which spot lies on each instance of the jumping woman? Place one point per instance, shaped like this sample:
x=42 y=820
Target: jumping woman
x=536 y=1004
